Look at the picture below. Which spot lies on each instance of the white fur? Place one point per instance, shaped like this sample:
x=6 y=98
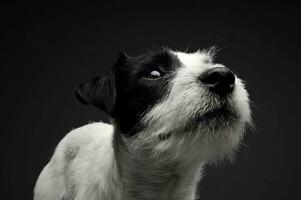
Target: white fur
x=85 y=165
x=180 y=105
x=83 y=162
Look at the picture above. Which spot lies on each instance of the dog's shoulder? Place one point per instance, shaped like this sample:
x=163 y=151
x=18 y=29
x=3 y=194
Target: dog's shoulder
x=86 y=138
x=82 y=141
x=89 y=133
x=78 y=155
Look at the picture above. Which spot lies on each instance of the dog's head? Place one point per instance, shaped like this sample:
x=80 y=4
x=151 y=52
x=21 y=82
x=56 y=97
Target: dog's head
x=172 y=101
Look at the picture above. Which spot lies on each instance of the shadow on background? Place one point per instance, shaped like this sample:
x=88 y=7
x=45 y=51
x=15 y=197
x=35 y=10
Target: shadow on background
x=47 y=49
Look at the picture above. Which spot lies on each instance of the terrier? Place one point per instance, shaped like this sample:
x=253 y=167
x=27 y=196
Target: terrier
x=172 y=113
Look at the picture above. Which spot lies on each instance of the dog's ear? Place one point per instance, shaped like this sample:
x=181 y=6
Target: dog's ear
x=100 y=92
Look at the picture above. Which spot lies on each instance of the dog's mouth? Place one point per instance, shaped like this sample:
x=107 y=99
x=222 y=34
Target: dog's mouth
x=225 y=110
x=223 y=113
x=214 y=119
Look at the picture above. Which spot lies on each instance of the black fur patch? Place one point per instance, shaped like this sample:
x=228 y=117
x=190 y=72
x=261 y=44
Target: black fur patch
x=128 y=91
x=100 y=92
x=136 y=92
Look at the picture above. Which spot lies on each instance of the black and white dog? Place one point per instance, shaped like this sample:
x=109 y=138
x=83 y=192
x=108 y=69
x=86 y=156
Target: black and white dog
x=172 y=112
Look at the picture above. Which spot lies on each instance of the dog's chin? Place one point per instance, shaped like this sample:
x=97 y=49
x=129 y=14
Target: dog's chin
x=223 y=114
x=215 y=119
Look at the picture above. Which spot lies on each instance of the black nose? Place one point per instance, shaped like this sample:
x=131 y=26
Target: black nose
x=219 y=80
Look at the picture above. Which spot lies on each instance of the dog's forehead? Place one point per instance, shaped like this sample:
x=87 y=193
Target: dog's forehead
x=158 y=56
x=177 y=57
x=132 y=66
x=169 y=59
x=194 y=59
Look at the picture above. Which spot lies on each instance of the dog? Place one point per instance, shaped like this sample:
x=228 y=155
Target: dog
x=172 y=113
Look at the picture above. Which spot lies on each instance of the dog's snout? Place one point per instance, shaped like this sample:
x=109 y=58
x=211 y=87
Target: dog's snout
x=219 y=80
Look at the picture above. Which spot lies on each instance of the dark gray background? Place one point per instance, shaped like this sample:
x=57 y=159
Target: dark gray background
x=46 y=49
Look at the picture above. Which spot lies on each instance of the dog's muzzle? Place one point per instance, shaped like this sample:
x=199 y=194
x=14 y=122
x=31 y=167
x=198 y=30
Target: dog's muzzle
x=219 y=80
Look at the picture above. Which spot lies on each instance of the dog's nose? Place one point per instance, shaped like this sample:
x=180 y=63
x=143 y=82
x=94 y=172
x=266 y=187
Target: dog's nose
x=219 y=80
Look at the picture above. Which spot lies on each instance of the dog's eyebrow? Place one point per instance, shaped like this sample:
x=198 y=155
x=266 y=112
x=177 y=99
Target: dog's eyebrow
x=207 y=59
x=167 y=58
x=175 y=62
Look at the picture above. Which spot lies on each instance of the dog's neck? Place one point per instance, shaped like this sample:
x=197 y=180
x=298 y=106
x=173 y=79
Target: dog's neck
x=141 y=176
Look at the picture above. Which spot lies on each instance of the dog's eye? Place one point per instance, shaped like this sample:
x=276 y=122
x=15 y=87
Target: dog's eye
x=154 y=74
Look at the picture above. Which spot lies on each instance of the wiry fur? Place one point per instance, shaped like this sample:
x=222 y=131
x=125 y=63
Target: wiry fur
x=183 y=130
